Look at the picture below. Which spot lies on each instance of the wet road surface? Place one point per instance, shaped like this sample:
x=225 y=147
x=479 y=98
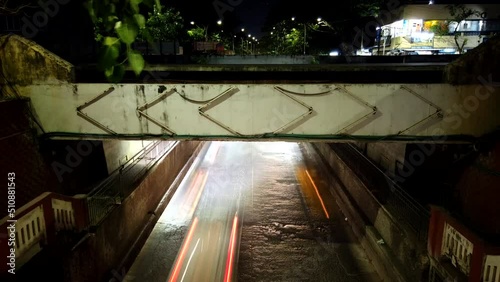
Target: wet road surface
x=252 y=211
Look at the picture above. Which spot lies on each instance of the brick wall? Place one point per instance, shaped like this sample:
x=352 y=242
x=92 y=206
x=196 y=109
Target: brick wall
x=19 y=154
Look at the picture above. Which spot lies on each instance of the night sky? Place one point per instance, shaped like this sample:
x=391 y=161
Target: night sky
x=253 y=14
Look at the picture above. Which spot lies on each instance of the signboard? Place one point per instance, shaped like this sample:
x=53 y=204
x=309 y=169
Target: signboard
x=205 y=46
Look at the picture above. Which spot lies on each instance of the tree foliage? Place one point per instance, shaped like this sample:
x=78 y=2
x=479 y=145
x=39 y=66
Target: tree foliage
x=367 y=8
x=164 y=25
x=198 y=34
x=440 y=29
x=459 y=13
x=294 y=42
x=338 y=21
x=118 y=23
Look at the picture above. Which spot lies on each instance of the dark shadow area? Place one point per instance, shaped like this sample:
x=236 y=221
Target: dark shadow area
x=76 y=164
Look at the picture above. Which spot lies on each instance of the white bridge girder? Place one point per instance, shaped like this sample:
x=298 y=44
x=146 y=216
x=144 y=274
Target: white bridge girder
x=439 y=112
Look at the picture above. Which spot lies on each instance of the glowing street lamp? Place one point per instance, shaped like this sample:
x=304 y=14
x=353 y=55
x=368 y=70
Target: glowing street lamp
x=219 y=22
x=192 y=23
x=319 y=19
x=293 y=18
x=242 y=30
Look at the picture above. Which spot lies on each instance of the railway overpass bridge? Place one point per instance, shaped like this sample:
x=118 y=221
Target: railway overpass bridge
x=258 y=102
x=274 y=109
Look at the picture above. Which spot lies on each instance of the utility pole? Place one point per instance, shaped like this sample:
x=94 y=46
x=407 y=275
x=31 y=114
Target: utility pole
x=305 y=36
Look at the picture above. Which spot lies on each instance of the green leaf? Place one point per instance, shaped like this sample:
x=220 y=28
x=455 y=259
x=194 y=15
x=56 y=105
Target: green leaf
x=140 y=20
x=109 y=71
x=115 y=74
x=127 y=32
x=108 y=56
x=158 y=5
x=134 y=4
x=111 y=20
x=90 y=8
x=147 y=35
x=149 y=3
x=109 y=41
x=136 y=61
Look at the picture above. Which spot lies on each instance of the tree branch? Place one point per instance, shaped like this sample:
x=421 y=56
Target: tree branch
x=6 y=9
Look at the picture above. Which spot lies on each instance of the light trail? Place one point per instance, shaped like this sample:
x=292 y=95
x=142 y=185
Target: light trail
x=317 y=193
x=180 y=259
x=189 y=260
x=230 y=252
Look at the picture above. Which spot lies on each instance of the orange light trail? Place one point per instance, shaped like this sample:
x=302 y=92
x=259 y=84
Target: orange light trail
x=230 y=252
x=317 y=193
x=180 y=259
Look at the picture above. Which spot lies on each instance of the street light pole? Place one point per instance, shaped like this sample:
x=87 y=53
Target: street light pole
x=305 y=38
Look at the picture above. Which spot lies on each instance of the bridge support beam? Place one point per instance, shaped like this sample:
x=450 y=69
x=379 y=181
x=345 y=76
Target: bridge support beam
x=384 y=112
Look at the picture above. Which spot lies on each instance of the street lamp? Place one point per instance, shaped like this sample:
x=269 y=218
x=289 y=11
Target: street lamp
x=219 y=22
x=242 y=30
x=319 y=19
x=192 y=23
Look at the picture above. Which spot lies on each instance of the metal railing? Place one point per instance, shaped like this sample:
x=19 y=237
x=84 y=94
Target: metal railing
x=121 y=182
x=398 y=202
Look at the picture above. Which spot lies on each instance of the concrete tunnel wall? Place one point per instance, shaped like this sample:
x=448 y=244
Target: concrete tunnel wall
x=384 y=154
x=118 y=152
x=400 y=257
x=107 y=250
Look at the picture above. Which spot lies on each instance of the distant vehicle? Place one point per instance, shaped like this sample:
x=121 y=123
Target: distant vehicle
x=398 y=52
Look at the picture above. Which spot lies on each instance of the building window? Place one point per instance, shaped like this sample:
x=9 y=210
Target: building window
x=457 y=248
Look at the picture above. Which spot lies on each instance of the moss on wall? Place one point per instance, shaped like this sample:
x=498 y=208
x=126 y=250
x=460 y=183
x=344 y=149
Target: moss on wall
x=23 y=62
